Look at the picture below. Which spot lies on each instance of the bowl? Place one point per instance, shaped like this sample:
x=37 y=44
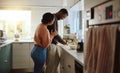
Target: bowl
x=73 y=47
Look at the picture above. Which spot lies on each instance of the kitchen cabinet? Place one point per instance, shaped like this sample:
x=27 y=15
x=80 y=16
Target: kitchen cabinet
x=5 y=59
x=67 y=64
x=72 y=2
x=31 y=44
x=20 y=54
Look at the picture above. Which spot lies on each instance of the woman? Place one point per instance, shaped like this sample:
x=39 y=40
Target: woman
x=42 y=40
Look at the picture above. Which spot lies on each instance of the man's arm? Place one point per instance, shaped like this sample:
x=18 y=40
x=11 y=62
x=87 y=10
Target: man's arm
x=59 y=39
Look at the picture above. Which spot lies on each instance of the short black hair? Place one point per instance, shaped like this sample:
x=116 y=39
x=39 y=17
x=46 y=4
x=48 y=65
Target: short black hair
x=47 y=17
x=63 y=11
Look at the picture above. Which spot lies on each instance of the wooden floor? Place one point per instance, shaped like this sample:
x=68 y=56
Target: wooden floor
x=19 y=71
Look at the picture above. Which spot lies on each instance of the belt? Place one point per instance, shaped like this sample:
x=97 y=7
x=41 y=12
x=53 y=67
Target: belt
x=38 y=45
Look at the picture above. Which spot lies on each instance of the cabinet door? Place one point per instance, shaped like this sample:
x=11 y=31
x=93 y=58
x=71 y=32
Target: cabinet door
x=69 y=63
x=31 y=61
x=20 y=55
x=62 y=62
x=8 y=59
x=71 y=2
x=5 y=59
x=75 y=1
x=66 y=63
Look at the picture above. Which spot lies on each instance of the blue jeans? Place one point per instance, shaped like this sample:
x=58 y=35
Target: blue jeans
x=38 y=55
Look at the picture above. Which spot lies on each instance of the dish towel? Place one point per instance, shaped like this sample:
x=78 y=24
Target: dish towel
x=53 y=59
x=100 y=54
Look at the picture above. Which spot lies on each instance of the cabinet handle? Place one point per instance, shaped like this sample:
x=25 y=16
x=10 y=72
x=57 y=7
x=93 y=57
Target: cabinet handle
x=69 y=66
x=5 y=61
x=21 y=43
x=62 y=67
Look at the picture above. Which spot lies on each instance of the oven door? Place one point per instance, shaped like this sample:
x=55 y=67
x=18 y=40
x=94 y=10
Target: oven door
x=78 y=67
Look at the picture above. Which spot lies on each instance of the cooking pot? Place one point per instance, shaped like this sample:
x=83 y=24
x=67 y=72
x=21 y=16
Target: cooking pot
x=1 y=33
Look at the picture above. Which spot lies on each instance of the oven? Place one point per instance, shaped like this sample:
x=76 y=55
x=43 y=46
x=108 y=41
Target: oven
x=78 y=67
x=105 y=13
x=100 y=38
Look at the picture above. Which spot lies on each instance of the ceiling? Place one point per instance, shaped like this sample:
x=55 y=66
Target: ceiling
x=41 y=3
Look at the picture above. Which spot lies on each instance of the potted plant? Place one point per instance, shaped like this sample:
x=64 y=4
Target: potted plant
x=67 y=29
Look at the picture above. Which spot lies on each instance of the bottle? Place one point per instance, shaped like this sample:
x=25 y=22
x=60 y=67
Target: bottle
x=80 y=46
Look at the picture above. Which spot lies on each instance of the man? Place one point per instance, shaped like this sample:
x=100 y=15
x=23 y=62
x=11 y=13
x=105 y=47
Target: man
x=52 y=52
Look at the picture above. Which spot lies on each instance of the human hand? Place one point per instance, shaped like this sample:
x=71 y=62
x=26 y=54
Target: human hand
x=64 y=42
x=54 y=33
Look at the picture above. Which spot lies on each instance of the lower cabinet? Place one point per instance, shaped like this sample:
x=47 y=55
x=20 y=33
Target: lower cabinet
x=67 y=64
x=21 y=55
x=5 y=59
x=30 y=59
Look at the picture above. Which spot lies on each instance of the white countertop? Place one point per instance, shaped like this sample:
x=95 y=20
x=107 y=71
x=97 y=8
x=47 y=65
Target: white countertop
x=6 y=43
x=13 y=41
x=78 y=56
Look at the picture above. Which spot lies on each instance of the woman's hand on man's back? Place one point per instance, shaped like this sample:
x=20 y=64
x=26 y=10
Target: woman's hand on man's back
x=54 y=33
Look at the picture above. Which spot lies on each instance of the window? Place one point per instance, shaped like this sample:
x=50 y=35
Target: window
x=15 y=22
x=75 y=21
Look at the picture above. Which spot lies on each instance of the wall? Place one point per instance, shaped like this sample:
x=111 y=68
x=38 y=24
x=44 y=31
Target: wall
x=37 y=13
x=37 y=8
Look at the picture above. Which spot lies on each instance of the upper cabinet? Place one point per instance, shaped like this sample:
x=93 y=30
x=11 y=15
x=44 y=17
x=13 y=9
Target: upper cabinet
x=71 y=3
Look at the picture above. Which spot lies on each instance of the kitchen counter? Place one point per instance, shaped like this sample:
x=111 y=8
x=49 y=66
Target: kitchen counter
x=2 y=44
x=23 y=41
x=78 y=56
